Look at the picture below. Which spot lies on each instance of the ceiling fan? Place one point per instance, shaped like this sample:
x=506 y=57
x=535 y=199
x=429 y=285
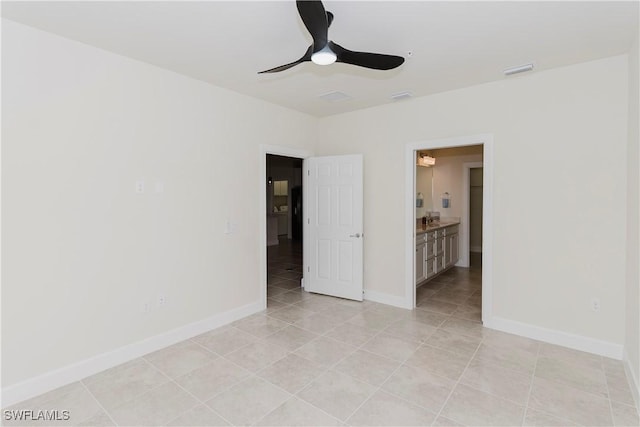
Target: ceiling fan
x=324 y=52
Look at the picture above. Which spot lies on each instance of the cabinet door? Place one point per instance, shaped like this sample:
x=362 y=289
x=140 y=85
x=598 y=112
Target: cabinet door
x=454 y=249
x=440 y=244
x=420 y=263
x=431 y=267
x=447 y=251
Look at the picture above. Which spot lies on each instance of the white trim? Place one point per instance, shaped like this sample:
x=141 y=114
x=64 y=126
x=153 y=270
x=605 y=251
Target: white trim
x=552 y=336
x=465 y=219
x=51 y=380
x=262 y=208
x=632 y=378
x=487 y=211
x=387 y=299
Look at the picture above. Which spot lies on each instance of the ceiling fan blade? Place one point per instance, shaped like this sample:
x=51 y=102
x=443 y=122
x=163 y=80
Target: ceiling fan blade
x=315 y=19
x=376 y=61
x=306 y=57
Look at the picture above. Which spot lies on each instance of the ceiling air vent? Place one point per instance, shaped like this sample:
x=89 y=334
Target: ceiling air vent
x=334 y=96
x=400 y=96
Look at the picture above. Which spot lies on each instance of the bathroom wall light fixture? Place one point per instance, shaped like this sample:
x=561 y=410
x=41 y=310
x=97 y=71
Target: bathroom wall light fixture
x=427 y=161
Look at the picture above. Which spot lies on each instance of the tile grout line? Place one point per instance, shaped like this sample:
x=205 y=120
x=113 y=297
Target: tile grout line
x=98 y=402
x=606 y=382
x=458 y=381
x=379 y=387
x=200 y=402
x=533 y=376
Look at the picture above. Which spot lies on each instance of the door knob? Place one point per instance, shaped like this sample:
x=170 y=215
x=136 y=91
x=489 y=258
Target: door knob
x=357 y=235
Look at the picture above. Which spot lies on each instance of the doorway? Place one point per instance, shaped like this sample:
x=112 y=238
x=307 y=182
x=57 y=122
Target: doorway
x=475 y=217
x=440 y=193
x=283 y=193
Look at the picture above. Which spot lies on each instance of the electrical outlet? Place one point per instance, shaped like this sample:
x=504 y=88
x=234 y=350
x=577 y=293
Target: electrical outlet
x=162 y=300
x=595 y=304
x=140 y=187
x=145 y=307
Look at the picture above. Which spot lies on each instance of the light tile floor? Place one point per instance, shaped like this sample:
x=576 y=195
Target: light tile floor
x=316 y=360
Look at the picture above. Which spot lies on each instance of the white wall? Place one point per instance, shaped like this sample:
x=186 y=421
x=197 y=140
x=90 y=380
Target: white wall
x=632 y=339
x=559 y=236
x=82 y=250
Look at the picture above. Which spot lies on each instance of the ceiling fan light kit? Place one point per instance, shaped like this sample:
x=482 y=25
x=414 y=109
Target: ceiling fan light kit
x=325 y=52
x=324 y=56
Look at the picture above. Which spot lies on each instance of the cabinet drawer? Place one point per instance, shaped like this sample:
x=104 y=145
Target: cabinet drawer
x=431 y=235
x=431 y=249
x=451 y=230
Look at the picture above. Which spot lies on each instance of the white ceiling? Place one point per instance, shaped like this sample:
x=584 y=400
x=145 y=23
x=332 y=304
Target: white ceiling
x=453 y=44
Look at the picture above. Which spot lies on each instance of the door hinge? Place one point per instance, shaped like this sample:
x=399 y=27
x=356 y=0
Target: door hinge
x=308 y=221
x=308 y=269
x=308 y=172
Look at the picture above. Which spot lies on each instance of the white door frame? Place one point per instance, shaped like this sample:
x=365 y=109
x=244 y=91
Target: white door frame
x=466 y=194
x=487 y=214
x=262 y=208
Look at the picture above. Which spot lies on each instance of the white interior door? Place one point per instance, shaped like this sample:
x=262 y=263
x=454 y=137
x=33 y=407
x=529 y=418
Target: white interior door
x=334 y=231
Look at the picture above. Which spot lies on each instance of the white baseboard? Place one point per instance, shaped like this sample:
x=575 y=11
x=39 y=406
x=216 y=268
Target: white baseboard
x=551 y=336
x=477 y=249
x=54 y=379
x=634 y=381
x=387 y=299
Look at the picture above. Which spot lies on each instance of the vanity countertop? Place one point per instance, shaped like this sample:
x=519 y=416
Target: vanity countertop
x=436 y=226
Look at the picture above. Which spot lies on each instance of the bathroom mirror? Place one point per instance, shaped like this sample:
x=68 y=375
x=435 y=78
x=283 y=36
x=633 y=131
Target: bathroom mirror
x=424 y=185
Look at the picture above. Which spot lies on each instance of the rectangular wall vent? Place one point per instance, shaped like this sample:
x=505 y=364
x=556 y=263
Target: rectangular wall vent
x=400 y=96
x=334 y=96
